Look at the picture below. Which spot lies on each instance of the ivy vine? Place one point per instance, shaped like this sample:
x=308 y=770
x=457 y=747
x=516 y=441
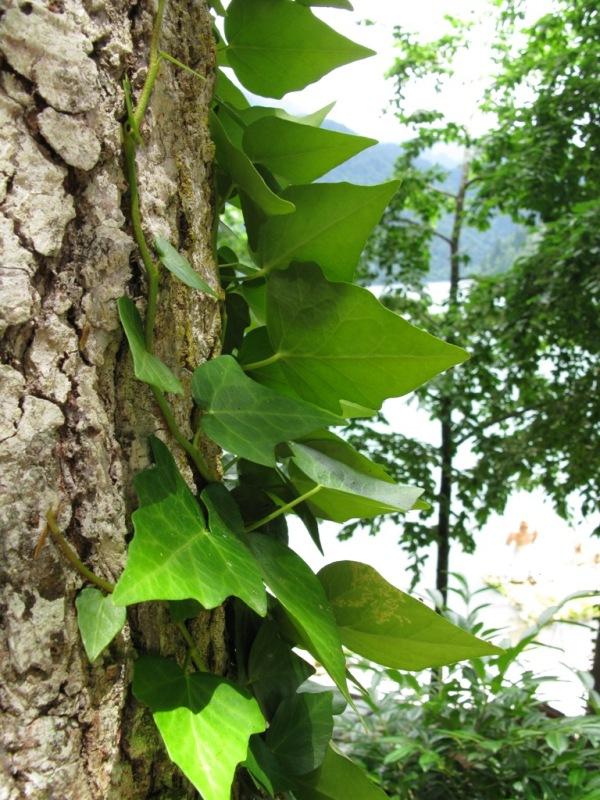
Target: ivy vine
x=303 y=350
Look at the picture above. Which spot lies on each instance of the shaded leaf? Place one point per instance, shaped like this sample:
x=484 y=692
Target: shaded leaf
x=348 y=492
x=99 y=620
x=180 y=610
x=250 y=115
x=300 y=731
x=243 y=172
x=180 y=266
x=387 y=626
x=147 y=367
x=330 y=226
x=337 y=779
x=298 y=153
x=334 y=341
x=227 y=91
x=265 y=768
x=173 y=556
x=277 y=46
x=237 y=319
x=274 y=670
x=205 y=721
x=300 y=593
x=246 y=418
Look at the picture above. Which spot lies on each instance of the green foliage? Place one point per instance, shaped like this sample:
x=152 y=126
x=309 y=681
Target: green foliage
x=179 y=266
x=325 y=348
x=278 y=46
x=99 y=620
x=296 y=154
x=333 y=342
x=330 y=227
x=476 y=734
x=205 y=721
x=385 y=625
x=246 y=418
x=147 y=367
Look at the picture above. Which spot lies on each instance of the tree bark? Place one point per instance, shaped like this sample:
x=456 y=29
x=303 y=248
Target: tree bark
x=74 y=421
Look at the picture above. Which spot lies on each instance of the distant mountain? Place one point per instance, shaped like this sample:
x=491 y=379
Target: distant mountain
x=490 y=252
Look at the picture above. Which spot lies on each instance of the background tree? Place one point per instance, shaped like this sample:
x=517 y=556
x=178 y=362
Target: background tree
x=74 y=420
x=526 y=402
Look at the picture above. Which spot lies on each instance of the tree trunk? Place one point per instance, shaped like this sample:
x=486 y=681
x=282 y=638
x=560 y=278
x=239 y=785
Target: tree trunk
x=447 y=447
x=74 y=420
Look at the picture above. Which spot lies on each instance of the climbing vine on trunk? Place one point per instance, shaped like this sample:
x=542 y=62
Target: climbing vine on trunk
x=303 y=350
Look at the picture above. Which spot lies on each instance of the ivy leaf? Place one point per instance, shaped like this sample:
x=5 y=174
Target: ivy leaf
x=297 y=152
x=173 y=556
x=265 y=768
x=180 y=266
x=387 y=626
x=254 y=113
x=300 y=593
x=337 y=779
x=147 y=367
x=335 y=341
x=180 y=610
x=348 y=492
x=160 y=480
x=237 y=319
x=277 y=46
x=274 y=670
x=330 y=226
x=300 y=731
x=243 y=172
x=99 y=620
x=246 y=418
x=205 y=721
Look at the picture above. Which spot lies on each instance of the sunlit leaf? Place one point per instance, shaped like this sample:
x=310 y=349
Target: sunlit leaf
x=246 y=418
x=334 y=341
x=351 y=489
x=298 y=153
x=278 y=46
x=147 y=367
x=99 y=620
x=387 y=626
x=174 y=556
x=330 y=226
x=205 y=721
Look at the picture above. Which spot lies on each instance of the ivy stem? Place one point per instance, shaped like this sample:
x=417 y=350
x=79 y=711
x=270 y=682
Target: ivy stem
x=264 y=363
x=72 y=557
x=196 y=657
x=153 y=66
x=192 y=451
x=136 y=222
x=283 y=509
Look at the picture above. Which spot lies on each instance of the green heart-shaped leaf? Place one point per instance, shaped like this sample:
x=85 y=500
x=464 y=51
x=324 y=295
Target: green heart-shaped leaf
x=99 y=620
x=334 y=341
x=246 y=418
x=387 y=626
x=348 y=492
x=205 y=721
x=277 y=46
x=330 y=226
x=147 y=367
x=173 y=555
x=298 y=153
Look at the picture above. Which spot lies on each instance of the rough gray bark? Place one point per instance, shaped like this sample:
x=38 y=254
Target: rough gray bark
x=73 y=420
